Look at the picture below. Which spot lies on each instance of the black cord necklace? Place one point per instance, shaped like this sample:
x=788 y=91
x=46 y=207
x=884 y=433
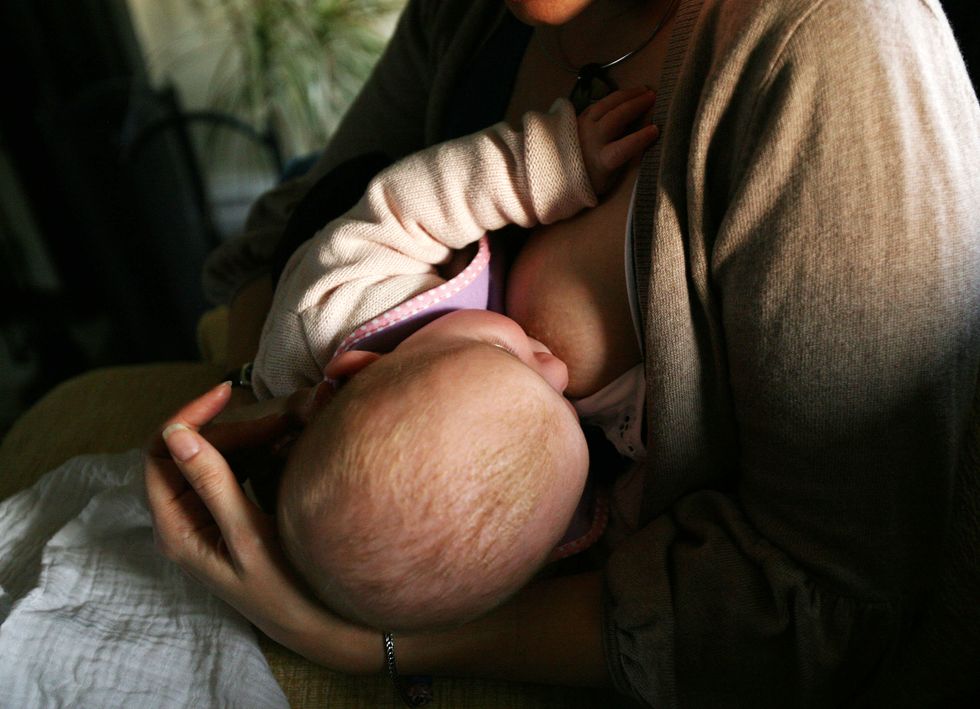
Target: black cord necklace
x=592 y=80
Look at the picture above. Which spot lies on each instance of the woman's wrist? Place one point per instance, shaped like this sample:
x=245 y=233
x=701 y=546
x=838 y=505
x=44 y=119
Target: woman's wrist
x=327 y=640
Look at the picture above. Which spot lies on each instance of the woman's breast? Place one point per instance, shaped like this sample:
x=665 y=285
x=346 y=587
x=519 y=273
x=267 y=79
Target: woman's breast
x=567 y=288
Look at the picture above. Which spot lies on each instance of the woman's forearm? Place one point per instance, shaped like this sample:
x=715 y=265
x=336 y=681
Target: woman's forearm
x=549 y=633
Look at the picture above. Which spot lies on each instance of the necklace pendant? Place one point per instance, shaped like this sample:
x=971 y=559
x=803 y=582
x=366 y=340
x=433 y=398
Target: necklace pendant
x=592 y=84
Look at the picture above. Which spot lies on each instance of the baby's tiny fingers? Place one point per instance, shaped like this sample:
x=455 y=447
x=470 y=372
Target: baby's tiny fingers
x=616 y=154
x=618 y=119
x=601 y=107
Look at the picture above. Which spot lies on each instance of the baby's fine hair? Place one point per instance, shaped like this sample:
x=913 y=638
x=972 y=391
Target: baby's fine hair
x=404 y=502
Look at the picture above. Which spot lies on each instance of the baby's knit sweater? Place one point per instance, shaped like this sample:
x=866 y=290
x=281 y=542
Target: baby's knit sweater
x=386 y=249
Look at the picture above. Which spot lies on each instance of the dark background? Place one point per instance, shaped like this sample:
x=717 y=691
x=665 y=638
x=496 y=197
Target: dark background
x=115 y=210
x=117 y=219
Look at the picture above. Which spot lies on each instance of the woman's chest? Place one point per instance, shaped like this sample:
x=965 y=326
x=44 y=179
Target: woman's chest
x=568 y=284
x=567 y=287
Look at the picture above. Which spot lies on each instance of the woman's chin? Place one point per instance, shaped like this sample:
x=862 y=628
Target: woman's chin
x=546 y=12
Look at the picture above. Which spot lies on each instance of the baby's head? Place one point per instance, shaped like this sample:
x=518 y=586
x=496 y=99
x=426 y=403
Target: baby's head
x=439 y=479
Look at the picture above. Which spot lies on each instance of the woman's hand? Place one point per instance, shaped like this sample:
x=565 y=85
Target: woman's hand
x=204 y=522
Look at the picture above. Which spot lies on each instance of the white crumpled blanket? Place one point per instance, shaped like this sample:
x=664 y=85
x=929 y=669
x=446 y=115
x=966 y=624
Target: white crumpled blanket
x=92 y=616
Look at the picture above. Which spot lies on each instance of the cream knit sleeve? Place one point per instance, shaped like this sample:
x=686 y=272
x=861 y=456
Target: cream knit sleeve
x=412 y=216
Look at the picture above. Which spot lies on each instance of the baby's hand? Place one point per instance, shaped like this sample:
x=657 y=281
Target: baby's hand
x=606 y=132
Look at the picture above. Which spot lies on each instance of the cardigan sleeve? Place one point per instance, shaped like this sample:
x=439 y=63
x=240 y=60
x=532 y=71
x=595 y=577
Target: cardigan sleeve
x=812 y=344
x=399 y=87
x=412 y=216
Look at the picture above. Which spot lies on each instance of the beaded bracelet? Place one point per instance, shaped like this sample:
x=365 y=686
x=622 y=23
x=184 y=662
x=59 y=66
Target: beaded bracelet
x=414 y=690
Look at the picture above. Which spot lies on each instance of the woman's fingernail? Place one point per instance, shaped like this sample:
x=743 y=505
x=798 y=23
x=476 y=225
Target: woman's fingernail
x=181 y=442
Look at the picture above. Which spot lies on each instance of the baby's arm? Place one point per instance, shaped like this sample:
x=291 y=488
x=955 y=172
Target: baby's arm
x=416 y=212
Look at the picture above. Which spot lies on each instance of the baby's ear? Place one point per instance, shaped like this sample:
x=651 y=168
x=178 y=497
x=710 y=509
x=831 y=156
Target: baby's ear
x=348 y=364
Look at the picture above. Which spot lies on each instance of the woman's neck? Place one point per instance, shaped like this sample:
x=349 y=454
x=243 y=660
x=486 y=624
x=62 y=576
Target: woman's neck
x=605 y=30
